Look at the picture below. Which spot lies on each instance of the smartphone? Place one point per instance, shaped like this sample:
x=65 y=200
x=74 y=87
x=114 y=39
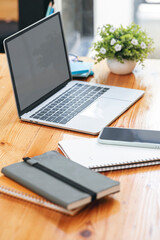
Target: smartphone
x=130 y=137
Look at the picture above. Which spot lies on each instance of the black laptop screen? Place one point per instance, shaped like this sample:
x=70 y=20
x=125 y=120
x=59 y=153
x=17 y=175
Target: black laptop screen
x=38 y=62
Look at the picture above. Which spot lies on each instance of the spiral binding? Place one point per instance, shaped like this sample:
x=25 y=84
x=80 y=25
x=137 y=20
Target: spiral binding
x=126 y=165
x=35 y=200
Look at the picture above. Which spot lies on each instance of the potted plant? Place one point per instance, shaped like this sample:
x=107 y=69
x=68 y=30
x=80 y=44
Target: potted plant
x=122 y=47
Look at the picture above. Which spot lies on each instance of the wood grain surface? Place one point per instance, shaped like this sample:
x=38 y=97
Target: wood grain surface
x=9 y=10
x=133 y=213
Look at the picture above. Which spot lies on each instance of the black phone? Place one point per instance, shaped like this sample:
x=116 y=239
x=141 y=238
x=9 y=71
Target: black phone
x=130 y=137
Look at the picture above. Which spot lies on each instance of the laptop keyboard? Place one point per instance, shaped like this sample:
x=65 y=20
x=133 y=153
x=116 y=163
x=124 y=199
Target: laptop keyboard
x=66 y=106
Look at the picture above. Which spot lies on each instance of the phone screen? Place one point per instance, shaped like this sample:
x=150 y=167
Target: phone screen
x=130 y=135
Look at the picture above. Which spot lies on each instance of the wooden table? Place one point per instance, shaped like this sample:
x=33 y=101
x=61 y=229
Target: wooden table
x=134 y=213
x=9 y=10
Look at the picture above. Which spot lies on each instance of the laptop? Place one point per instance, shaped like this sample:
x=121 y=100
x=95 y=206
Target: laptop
x=43 y=87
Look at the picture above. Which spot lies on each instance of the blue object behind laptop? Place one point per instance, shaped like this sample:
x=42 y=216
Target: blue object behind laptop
x=80 y=67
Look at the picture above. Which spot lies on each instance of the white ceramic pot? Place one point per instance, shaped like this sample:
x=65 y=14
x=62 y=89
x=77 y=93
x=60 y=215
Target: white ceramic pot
x=121 y=68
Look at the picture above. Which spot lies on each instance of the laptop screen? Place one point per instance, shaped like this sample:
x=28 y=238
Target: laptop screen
x=38 y=61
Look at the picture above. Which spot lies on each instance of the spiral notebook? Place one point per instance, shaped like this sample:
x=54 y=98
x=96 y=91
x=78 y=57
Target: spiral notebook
x=103 y=157
x=13 y=189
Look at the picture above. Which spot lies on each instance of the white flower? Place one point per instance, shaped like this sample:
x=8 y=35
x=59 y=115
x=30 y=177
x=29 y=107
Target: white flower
x=112 y=29
x=103 y=28
x=118 y=47
x=143 y=45
x=103 y=50
x=113 y=41
x=134 y=41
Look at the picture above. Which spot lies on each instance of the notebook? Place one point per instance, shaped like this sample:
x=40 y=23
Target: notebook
x=43 y=87
x=83 y=75
x=104 y=157
x=61 y=181
x=15 y=190
x=80 y=69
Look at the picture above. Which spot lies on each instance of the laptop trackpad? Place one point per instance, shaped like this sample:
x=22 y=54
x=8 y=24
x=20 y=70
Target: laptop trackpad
x=100 y=113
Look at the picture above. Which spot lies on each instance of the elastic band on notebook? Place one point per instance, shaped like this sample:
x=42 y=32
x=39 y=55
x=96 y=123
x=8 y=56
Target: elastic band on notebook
x=62 y=178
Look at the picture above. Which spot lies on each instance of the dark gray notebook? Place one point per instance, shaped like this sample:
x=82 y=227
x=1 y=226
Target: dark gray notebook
x=61 y=180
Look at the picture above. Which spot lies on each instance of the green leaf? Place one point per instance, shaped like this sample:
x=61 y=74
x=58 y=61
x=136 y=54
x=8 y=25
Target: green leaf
x=123 y=36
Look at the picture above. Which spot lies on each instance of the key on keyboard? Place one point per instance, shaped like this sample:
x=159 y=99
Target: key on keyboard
x=63 y=108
